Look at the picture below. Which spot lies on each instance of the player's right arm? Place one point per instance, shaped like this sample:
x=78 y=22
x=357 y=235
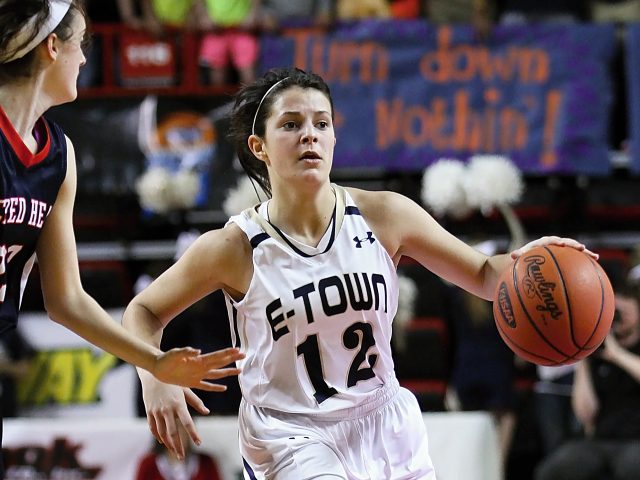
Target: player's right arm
x=219 y=259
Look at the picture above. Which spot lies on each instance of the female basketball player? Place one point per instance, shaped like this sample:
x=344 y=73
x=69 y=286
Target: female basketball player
x=310 y=281
x=40 y=56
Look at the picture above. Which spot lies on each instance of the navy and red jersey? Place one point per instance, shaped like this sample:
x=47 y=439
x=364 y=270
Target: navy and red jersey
x=29 y=187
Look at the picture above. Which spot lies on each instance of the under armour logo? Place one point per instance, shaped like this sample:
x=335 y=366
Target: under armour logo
x=359 y=241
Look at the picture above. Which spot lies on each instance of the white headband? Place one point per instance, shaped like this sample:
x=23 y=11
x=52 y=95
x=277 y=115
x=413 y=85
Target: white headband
x=57 y=10
x=253 y=127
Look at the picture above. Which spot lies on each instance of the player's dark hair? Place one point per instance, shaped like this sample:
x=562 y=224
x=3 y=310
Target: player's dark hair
x=251 y=103
x=14 y=15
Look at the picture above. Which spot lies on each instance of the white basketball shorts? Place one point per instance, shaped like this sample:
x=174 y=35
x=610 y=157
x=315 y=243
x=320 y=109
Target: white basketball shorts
x=383 y=440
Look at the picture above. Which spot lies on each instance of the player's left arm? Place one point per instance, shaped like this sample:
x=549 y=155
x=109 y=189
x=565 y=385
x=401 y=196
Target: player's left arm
x=405 y=228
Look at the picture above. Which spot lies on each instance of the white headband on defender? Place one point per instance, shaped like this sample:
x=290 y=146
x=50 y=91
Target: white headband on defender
x=57 y=10
x=253 y=127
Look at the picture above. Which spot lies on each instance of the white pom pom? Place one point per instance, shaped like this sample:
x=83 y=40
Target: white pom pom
x=242 y=196
x=142 y=282
x=185 y=188
x=184 y=241
x=442 y=189
x=488 y=247
x=492 y=180
x=407 y=293
x=154 y=188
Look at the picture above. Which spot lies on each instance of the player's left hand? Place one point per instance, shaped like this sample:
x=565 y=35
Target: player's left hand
x=553 y=240
x=187 y=367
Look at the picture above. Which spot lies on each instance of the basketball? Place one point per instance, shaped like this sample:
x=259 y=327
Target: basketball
x=554 y=305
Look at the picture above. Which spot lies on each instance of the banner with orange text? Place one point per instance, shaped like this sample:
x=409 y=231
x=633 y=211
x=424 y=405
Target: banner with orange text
x=407 y=93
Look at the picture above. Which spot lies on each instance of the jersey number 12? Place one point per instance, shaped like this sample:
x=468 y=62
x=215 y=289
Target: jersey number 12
x=357 y=336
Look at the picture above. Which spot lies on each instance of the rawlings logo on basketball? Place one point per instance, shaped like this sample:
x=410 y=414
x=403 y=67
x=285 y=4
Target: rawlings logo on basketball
x=563 y=304
x=504 y=303
x=536 y=286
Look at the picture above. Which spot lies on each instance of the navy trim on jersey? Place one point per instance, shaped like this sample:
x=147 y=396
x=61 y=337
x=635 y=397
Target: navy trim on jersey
x=237 y=343
x=258 y=239
x=352 y=210
x=300 y=252
x=249 y=470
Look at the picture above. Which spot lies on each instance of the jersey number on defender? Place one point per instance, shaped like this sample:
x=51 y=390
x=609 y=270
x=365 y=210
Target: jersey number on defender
x=6 y=254
x=360 y=335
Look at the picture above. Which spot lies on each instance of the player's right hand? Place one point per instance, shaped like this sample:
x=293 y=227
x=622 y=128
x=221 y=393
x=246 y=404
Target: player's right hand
x=166 y=407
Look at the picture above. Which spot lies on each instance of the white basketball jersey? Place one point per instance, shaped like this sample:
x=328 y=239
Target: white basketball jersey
x=315 y=323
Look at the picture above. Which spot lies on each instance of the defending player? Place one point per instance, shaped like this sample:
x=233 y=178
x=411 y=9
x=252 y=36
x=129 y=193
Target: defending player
x=40 y=57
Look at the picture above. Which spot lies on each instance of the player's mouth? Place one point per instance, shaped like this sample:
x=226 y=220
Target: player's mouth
x=310 y=155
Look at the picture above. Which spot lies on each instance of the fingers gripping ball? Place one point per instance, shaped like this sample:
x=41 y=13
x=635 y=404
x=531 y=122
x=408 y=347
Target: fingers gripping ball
x=554 y=305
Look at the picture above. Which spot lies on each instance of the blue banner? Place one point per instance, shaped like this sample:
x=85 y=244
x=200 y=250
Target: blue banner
x=408 y=93
x=633 y=87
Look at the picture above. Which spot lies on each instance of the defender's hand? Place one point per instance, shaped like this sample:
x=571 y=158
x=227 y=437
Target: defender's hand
x=187 y=367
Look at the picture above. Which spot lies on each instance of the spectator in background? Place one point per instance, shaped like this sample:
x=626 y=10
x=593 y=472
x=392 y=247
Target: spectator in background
x=606 y=400
x=105 y=11
x=277 y=14
x=228 y=38
x=555 y=419
x=407 y=9
x=157 y=15
x=130 y=12
x=556 y=11
x=99 y=12
x=478 y=13
x=162 y=464
x=483 y=367
x=361 y=9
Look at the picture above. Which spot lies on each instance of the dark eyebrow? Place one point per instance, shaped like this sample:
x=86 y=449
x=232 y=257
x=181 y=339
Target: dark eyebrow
x=298 y=113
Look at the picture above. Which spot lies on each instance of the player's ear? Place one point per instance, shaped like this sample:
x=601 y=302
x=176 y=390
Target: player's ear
x=52 y=46
x=256 y=145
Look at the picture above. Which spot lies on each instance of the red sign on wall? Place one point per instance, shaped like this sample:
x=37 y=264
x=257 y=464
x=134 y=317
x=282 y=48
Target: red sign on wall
x=146 y=61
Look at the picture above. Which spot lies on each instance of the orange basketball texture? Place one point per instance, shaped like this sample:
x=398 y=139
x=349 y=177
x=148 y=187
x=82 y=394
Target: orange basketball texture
x=554 y=305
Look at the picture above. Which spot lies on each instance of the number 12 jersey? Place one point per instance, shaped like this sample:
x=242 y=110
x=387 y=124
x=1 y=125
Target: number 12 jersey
x=315 y=323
